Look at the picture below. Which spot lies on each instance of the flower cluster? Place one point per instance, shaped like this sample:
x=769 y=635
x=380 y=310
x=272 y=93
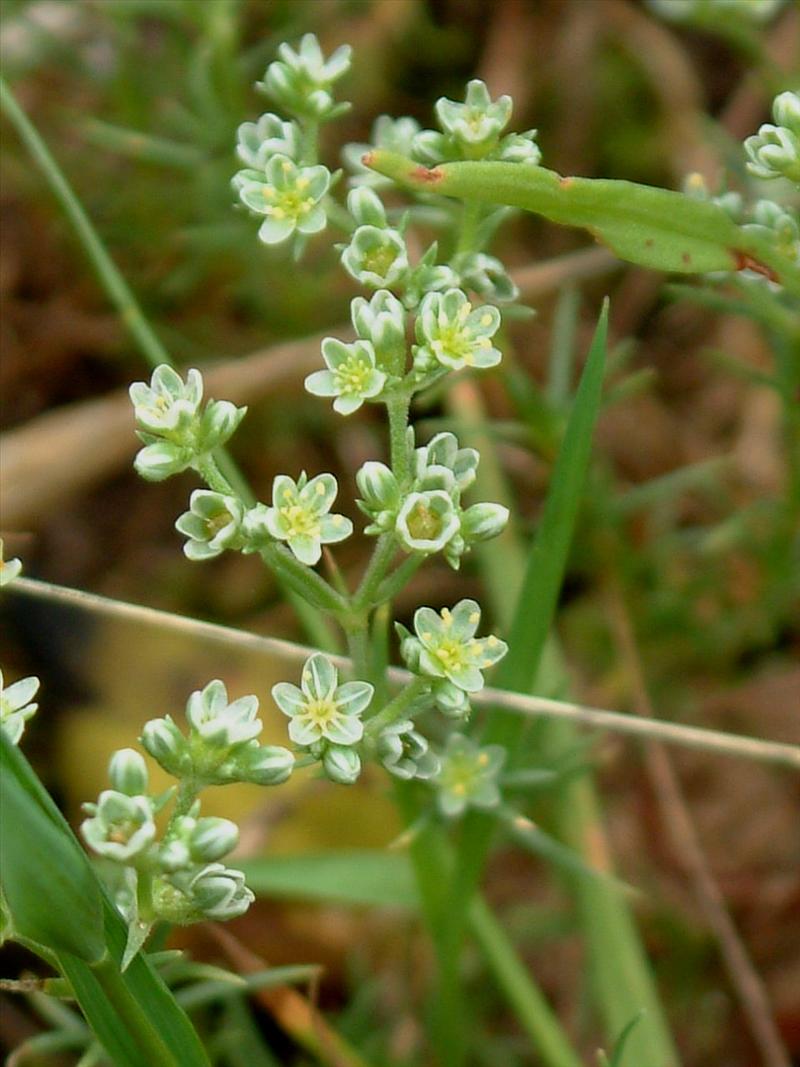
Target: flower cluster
x=281 y=180
x=177 y=431
x=774 y=152
x=185 y=881
x=473 y=129
x=301 y=80
x=221 y=746
x=430 y=516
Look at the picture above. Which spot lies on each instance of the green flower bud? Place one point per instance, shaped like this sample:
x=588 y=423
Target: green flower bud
x=410 y=647
x=519 y=148
x=263 y=764
x=161 y=460
x=341 y=764
x=404 y=752
x=481 y=522
x=487 y=277
x=450 y=700
x=127 y=772
x=366 y=208
x=212 y=838
x=382 y=321
x=220 y=893
x=162 y=739
x=218 y=423
x=426 y=521
x=376 y=257
x=442 y=451
x=269 y=136
x=380 y=496
x=786 y=111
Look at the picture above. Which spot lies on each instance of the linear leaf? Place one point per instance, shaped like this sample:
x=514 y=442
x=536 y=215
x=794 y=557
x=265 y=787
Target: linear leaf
x=656 y=228
x=360 y=877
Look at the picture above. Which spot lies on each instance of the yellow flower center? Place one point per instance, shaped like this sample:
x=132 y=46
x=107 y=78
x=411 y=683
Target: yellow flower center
x=352 y=376
x=322 y=712
x=300 y=520
x=452 y=654
x=423 y=523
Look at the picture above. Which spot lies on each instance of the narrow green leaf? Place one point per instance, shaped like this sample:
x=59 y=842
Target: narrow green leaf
x=359 y=877
x=48 y=885
x=656 y=228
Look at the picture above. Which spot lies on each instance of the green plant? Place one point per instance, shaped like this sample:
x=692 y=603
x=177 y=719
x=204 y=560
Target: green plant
x=447 y=301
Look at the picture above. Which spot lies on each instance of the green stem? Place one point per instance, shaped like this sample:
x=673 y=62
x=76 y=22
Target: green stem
x=469 y=224
x=358 y=647
x=382 y=556
x=309 y=148
x=397 y=708
x=137 y=1023
x=532 y=1010
x=396 y=581
x=397 y=406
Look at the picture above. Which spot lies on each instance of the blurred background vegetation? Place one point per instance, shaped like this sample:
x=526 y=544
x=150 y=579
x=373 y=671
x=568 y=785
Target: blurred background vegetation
x=684 y=567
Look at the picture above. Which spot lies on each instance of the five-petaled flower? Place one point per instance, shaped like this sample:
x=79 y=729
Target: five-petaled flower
x=288 y=195
x=302 y=78
x=452 y=333
x=447 y=646
x=478 y=120
x=468 y=776
x=212 y=524
x=121 y=827
x=352 y=375
x=321 y=709
x=299 y=516
x=376 y=256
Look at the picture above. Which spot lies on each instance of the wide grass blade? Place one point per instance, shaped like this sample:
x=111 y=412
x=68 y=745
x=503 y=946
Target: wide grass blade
x=69 y=919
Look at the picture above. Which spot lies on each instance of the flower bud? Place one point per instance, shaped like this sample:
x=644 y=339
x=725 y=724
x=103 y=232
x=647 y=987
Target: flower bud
x=378 y=487
x=481 y=522
x=450 y=700
x=162 y=459
x=219 y=892
x=786 y=111
x=381 y=320
x=341 y=764
x=264 y=764
x=365 y=207
x=220 y=420
x=212 y=838
x=127 y=772
x=167 y=745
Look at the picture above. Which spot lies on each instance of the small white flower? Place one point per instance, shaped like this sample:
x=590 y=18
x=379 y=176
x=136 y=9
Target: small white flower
x=16 y=706
x=214 y=892
x=299 y=516
x=168 y=404
x=454 y=334
x=376 y=256
x=269 y=136
x=212 y=524
x=221 y=724
x=121 y=827
x=449 y=649
x=289 y=196
x=351 y=377
x=468 y=776
x=427 y=521
x=479 y=120
x=321 y=709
